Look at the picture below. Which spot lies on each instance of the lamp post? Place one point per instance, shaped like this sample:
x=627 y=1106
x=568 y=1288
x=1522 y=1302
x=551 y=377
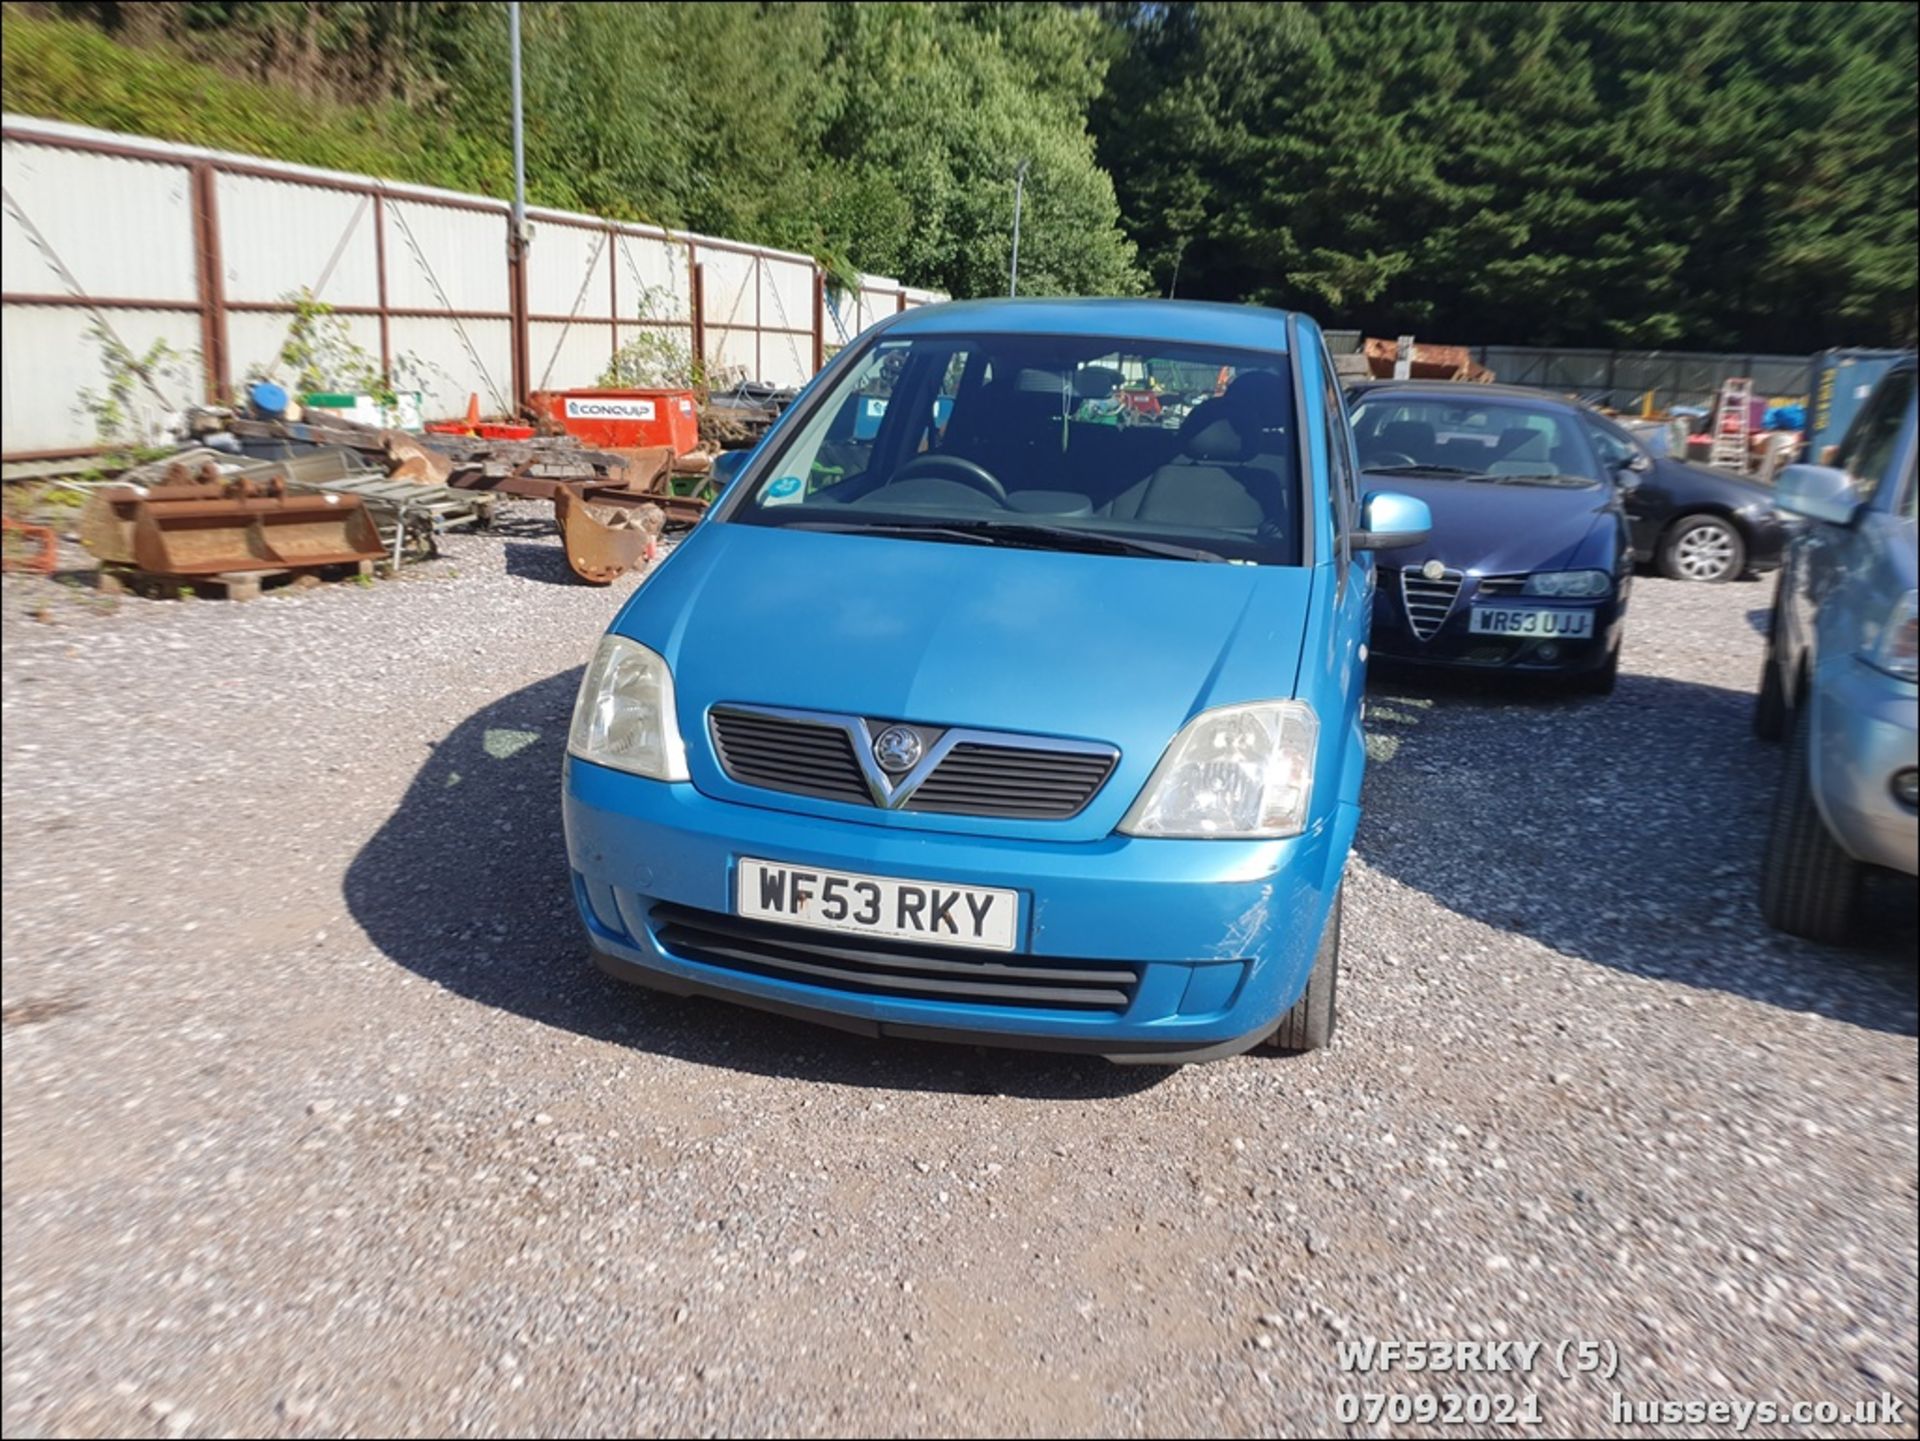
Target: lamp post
x=519 y=130
x=1019 y=190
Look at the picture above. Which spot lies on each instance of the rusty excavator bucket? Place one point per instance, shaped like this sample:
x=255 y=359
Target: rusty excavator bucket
x=610 y=528
x=606 y=530
x=195 y=524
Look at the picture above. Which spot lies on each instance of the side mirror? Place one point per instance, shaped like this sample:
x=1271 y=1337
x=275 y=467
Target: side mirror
x=1390 y=521
x=1818 y=492
x=727 y=466
x=1640 y=463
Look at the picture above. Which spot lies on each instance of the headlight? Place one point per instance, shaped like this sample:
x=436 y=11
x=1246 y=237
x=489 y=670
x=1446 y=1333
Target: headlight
x=624 y=716
x=1570 y=584
x=1239 y=771
x=1896 y=650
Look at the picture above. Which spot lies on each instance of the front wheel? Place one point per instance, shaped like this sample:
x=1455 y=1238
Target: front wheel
x=1602 y=679
x=1703 y=548
x=1809 y=886
x=1309 y=1025
x=1770 y=708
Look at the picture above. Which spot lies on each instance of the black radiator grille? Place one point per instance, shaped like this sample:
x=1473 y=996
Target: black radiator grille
x=989 y=780
x=891 y=968
x=977 y=776
x=783 y=754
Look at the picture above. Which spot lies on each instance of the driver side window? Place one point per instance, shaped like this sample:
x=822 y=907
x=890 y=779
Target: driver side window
x=1867 y=452
x=1615 y=453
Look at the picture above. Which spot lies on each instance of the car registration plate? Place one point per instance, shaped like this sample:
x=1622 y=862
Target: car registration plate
x=929 y=912
x=1512 y=620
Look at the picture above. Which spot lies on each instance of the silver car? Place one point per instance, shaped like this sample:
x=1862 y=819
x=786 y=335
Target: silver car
x=1840 y=677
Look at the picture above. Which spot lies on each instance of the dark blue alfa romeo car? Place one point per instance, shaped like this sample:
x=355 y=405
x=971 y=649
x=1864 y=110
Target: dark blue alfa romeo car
x=1529 y=563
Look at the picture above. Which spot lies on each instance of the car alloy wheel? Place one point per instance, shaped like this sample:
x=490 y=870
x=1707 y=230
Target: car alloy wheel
x=1705 y=548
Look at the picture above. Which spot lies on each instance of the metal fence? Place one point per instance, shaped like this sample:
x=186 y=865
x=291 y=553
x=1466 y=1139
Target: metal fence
x=1622 y=378
x=211 y=253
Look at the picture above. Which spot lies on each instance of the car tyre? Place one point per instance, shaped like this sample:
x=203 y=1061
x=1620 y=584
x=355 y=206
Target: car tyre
x=1704 y=548
x=1770 y=708
x=1602 y=679
x=1809 y=886
x=1309 y=1025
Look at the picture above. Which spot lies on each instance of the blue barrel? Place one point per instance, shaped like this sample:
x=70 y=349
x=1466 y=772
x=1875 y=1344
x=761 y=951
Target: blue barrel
x=267 y=398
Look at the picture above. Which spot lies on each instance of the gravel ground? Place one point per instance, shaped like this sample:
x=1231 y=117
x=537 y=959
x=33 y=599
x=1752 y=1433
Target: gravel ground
x=316 y=1120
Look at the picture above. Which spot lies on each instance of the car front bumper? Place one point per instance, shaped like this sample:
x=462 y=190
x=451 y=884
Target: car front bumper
x=1220 y=934
x=1864 y=724
x=1455 y=645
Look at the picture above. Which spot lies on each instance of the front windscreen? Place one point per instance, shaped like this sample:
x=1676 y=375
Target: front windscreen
x=1177 y=451
x=1471 y=438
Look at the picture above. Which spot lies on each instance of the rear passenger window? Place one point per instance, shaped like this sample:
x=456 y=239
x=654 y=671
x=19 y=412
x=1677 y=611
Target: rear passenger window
x=1867 y=452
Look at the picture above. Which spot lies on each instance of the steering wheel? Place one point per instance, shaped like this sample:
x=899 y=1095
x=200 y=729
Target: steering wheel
x=1387 y=457
x=957 y=467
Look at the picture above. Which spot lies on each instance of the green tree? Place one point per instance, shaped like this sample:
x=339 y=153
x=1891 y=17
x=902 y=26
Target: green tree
x=1619 y=174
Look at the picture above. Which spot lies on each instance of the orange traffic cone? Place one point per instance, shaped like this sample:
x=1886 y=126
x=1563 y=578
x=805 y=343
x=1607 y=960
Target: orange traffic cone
x=473 y=412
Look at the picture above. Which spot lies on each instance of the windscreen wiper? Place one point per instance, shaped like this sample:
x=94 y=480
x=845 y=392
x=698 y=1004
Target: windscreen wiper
x=1566 y=481
x=1028 y=535
x=1072 y=537
x=1423 y=470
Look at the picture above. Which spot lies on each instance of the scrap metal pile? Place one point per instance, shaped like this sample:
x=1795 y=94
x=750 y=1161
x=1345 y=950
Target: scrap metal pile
x=610 y=506
x=198 y=523
x=269 y=495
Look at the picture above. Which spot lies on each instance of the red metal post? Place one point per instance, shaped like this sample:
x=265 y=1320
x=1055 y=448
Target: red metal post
x=211 y=272
x=517 y=301
x=699 y=315
x=819 y=319
x=613 y=290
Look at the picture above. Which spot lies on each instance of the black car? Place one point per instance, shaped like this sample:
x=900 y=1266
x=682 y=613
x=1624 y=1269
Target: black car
x=1527 y=568
x=1693 y=522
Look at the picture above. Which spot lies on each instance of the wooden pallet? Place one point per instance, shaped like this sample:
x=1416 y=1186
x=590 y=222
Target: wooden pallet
x=227 y=585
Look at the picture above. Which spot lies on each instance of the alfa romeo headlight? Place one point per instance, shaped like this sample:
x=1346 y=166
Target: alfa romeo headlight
x=1569 y=584
x=1241 y=771
x=624 y=716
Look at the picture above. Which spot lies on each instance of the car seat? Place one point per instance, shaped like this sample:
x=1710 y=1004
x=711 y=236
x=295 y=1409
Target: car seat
x=1411 y=438
x=1209 y=485
x=1530 y=457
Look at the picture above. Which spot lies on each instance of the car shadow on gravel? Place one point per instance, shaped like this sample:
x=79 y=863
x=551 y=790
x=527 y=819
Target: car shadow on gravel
x=466 y=885
x=1627 y=831
x=530 y=560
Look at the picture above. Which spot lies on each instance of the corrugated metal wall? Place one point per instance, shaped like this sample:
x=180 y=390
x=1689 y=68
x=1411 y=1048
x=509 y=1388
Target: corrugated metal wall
x=211 y=253
x=121 y=231
x=1620 y=378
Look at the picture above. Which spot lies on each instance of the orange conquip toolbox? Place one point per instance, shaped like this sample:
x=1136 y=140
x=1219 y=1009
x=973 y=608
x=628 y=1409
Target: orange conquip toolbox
x=625 y=419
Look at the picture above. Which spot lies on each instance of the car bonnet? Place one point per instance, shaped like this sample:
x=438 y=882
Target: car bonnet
x=1112 y=649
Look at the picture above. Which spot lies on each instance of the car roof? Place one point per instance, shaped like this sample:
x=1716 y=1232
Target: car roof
x=1469 y=390
x=1203 y=322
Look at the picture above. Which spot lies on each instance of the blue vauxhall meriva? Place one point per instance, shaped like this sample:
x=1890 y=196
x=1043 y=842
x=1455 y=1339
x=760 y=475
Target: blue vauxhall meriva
x=1010 y=693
